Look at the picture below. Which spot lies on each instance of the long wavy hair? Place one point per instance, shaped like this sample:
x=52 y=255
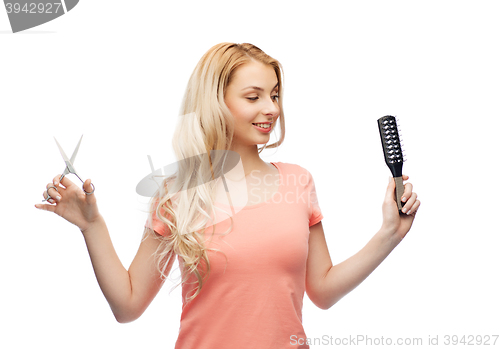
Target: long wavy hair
x=185 y=201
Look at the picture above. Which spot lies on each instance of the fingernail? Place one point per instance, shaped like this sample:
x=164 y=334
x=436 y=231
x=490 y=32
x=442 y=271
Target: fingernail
x=408 y=212
x=403 y=210
x=58 y=198
x=403 y=199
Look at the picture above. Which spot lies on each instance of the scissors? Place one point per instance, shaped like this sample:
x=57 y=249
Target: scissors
x=69 y=166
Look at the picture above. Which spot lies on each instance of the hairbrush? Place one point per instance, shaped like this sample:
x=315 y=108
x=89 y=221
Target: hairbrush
x=391 y=144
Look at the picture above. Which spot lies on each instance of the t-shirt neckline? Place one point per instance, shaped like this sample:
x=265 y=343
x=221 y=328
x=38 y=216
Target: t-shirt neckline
x=268 y=201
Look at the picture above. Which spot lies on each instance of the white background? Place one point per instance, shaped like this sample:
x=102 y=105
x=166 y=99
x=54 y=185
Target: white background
x=115 y=71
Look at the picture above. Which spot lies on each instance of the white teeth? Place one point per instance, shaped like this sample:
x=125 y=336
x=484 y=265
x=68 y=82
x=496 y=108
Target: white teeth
x=263 y=125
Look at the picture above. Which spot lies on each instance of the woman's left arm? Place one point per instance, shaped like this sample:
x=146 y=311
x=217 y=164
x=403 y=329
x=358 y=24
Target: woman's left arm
x=326 y=284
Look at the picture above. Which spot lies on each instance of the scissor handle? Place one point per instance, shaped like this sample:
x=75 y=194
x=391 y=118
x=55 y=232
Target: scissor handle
x=93 y=189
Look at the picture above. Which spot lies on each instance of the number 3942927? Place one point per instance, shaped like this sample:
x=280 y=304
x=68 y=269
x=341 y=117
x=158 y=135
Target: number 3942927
x=33 y=8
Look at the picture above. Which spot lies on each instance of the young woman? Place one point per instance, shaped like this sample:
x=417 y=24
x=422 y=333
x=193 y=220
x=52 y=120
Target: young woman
x=244 y=277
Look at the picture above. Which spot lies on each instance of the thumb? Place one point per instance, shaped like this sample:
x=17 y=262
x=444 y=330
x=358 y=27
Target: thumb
x=391 y=187
x=88 y=187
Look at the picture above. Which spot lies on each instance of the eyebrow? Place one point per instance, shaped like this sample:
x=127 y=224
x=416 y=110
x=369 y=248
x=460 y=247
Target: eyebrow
x=259 y=88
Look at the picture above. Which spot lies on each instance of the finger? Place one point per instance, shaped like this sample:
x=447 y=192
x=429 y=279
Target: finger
x=60 y=183
x=51 y=200
x=87 y=185
x=56 y=180
x=45 y=196
x=405 y=177
x=407 y=192
x=45 y=207
x=414 y=207
x=65 y=181
x=52 y=192
x=89 y=190
x=409 y=205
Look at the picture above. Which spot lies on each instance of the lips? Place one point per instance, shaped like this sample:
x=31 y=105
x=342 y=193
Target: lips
x=265 y=125
x=266 y=129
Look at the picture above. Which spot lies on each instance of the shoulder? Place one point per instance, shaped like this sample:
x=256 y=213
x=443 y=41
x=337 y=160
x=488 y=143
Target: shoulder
x=290 y=168
x=294 y=174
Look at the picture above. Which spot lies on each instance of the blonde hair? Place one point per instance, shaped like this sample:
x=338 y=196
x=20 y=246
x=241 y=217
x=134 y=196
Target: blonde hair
x=206 y=124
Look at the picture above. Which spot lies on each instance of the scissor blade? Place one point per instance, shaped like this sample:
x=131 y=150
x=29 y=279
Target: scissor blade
x=76 y=151
x=61 y=150
x=69 y=165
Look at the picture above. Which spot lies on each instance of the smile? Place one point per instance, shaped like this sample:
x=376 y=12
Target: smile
x=263 y=125
x=264 y=128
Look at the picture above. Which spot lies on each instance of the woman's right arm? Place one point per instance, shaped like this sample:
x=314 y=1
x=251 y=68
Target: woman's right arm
x=128 y=292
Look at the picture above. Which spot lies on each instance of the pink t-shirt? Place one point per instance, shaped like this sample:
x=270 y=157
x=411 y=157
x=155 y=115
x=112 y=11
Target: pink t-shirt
x=255 y=300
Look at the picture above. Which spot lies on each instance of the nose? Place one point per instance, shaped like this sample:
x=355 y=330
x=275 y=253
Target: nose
x=271 y=108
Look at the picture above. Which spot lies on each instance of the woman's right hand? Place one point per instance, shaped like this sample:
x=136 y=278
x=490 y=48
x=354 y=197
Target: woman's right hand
x=70 y=202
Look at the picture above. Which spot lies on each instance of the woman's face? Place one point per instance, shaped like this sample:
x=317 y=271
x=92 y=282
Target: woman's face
x=252 y=98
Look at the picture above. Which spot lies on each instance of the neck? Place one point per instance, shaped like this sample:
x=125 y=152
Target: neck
x=250 y=158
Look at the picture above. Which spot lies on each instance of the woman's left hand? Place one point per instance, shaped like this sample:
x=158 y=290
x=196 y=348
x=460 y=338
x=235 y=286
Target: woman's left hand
x=394 y=223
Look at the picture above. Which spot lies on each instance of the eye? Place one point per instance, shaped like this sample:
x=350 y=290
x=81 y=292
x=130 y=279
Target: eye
x=275 y=97
x=252 y=98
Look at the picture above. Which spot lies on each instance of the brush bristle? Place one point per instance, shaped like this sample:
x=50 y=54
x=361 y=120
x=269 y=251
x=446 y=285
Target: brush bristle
x=390 y=139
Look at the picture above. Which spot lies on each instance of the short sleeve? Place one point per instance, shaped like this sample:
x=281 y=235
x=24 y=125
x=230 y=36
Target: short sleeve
x=315 y=215
x=154 y=223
